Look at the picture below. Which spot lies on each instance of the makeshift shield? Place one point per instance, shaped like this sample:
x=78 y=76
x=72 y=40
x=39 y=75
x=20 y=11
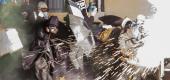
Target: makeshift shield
x=9 y=41
x=84 y=37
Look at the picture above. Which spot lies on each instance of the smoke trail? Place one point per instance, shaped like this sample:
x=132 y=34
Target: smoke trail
x=157 y=44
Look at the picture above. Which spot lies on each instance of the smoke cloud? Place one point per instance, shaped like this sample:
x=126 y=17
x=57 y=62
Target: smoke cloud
x=157 y=44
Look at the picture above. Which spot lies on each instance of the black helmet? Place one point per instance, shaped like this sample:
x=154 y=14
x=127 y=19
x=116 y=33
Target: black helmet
x=53 y=21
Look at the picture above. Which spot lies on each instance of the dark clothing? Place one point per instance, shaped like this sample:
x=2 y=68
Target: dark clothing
x=111 y=20
x=88 y=20
x=48 y=52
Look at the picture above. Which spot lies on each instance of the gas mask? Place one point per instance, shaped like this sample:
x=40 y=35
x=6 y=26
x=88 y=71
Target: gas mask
x=53 y=24
x=43 y=14
x=52 y=29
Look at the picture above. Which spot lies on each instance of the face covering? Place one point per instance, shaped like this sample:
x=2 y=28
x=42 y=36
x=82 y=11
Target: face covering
x=45 y=15
x=40 y=14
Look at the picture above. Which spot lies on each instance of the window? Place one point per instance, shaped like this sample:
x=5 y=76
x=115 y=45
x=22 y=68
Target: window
x=56 y=5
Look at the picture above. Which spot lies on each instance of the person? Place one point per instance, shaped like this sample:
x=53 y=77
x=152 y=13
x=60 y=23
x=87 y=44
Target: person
x=36 y=16
x=81 y=23
x=113 y=46
x=131 y=38
x=138 y=30
x=42 y=12
x=89 y=18
x=49 y=50
x=109 y=29
x=134 y=30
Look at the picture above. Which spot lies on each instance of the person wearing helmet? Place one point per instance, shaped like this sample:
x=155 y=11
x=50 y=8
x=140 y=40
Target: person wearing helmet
x=53 y=24
x=126 y=24
x=140 y=19
x=137 y=27
x=38 y=17
x=42 y=11
x=50 y=51
x=42 y=8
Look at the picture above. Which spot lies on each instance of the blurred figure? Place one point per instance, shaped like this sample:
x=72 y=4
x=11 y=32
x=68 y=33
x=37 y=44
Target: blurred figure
x=42 y=11
x=92 y=9
x=35 y=12
x=40 y=16
x=138 y=27
x=49 y=51
x=81 y=24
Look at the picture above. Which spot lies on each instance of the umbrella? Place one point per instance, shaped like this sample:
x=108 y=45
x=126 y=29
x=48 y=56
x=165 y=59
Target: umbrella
x=111 y=20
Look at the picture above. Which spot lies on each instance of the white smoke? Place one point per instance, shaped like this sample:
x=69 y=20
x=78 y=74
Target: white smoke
x=157 y=44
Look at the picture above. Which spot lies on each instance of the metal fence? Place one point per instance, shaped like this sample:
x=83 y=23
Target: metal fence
x=56 y=5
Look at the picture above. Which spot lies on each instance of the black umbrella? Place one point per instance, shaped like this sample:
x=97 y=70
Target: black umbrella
x=111 y=20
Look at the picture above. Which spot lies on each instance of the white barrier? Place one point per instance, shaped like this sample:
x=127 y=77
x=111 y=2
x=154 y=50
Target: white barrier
x=9 y=41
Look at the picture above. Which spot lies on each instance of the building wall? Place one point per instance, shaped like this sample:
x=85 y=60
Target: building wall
x=122 y=8
x=130 y=8
x=61 y=15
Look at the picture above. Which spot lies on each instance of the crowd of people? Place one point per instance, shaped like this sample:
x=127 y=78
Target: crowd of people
x=53 y=56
